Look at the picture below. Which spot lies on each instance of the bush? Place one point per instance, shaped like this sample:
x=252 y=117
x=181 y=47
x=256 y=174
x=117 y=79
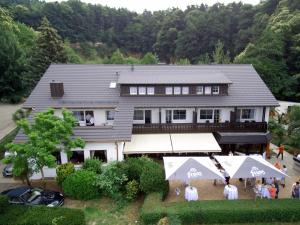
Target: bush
x=132 y=190
x=221 y=212
x=134 y=167
x=93 y=165
x=20 y=114
x=63 y=171
x=152 y=178
x=80 y=185
x=41 y=215
x=3 y=203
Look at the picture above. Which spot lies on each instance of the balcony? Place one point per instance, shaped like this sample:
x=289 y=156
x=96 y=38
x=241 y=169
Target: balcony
x=199 y=127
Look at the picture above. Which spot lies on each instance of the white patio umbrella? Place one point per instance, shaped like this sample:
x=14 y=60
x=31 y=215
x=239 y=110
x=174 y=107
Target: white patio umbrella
x=190 y=168
x=249 y=167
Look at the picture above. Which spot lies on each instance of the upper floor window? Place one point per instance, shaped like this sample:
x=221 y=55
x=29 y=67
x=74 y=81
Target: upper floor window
x=179 y=114
x=89 y=118
x=138 y=115
x=177 y=90
x=110 y=115
x=150 y=90
x=84 y=118
x=185 y=90
x=79 y=116
x=247 y=114
x=206 y=114
x=199 y=90
x=169 y=90
x=207 y=90
x=215 y=90
x=142 y=90
x=133 y=90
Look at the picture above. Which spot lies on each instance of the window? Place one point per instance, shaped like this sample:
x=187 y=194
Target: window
x=177 y=90
x=79 y=115
x=215 y=90
x=247 y=114
x=150 y=90
x=110 y=115
x=216 y=116
x=89 y=118
x=142 y=90
x=169 y=90
x=185 y=90
x=133 y=90
x=207 y=90
x=206 y=114
x=179 y=114
x=199 y=90
x=138 y=115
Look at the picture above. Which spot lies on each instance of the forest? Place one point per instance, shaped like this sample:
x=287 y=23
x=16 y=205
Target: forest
x=36 y=33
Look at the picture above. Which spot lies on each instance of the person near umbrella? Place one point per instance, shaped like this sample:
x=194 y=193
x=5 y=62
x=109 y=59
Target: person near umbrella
x=276 y=184
x=280 y=151
x=295 y=190
x=227 y=177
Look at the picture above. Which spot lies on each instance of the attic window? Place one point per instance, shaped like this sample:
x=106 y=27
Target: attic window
x=112 y=85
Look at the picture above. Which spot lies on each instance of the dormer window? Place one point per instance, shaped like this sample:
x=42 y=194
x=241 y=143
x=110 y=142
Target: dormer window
x=150 y=90
x=133 y=90
x=215 y=90
x=169 y=90
x=177 y=90
x=142 y=90
x=207 y=90
x=199 y=90
x=185 y=90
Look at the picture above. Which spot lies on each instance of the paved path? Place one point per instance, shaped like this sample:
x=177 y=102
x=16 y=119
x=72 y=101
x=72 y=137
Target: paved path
x=6 y=122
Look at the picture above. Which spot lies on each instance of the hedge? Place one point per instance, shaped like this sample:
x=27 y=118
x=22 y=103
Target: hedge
x=41 y=215
x=221 y=211
x=3 y=203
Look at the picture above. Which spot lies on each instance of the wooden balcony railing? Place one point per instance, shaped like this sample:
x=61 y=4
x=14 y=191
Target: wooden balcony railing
x=199 y=127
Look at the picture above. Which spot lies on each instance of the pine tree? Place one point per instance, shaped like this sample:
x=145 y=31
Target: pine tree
x=49 y=49
x=219 y=57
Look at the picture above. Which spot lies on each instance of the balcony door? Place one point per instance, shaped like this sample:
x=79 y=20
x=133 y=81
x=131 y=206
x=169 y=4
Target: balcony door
x=147 y=116
x=168 y=116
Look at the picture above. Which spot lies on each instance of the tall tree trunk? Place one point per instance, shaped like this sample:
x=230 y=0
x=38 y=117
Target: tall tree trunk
x=43 y=178
x=27 y=180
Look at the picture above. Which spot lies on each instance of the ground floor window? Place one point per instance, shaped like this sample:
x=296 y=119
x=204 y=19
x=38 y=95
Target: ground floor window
x=179 y=114
x=99 y=154
x=77 y=157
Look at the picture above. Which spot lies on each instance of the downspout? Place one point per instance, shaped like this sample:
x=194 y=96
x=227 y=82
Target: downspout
x=117 y=149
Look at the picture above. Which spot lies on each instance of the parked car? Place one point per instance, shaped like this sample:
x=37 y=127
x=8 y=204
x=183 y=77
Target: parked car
x=34 y=196
x=7 y=171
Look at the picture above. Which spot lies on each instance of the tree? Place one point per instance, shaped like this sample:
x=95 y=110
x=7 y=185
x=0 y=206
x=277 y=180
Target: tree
x=184 y=61
x=49 y=49
x=117 y=57
x=219 y=57
x=149 y=58
x=204 y=59
x=46 y=135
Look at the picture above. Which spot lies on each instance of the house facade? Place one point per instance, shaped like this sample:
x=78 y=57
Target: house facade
x=125 y=110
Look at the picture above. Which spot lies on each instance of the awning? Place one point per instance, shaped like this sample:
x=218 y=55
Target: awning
x=171 y=143
x=243 y=137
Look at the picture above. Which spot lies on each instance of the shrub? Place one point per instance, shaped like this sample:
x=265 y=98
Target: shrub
x=20 y=114
x=41 y=215
x=134 y=167
x=132 y=190
x=152 y=178
x=3 y=203
x=80 y=185
x=93 y=165
x=63 y=171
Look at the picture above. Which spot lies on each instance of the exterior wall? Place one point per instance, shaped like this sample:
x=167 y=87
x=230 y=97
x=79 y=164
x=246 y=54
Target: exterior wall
x=154 y=116
x=267 y=114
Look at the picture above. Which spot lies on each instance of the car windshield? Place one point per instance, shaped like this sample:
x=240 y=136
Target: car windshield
x=33 y=196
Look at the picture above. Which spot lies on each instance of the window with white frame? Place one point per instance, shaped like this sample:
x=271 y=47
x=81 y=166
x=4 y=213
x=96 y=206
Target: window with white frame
x=206 y=114
x=142 y=90
x=185 y=90
x=247 y=114
x=215 y=90
x=199 y=90
x=110 y=115
x=169 y=90
x=179 y=114
x=207 y=90
x=79 y=116
x=138 y=115
x=133 y=90
x=177 y=90
x=150 y=90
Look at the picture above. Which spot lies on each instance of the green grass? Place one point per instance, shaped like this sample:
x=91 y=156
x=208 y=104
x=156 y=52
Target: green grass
x=7 y=139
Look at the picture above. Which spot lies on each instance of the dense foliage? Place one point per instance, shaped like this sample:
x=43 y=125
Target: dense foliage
x=63 y=171
x=93 y=165
x=220 y=211
x=266 y=35
x=80 y=185
x=38 y=215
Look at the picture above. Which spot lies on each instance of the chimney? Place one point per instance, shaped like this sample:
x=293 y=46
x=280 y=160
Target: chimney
x=56 y=89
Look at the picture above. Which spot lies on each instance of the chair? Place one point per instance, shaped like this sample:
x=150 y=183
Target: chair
x=257 y=193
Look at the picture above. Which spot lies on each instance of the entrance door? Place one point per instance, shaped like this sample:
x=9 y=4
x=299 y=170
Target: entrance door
x=147 y=116
x=168 y=116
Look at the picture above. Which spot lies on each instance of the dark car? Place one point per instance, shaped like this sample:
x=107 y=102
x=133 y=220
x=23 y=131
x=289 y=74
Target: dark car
x=34 y=196
x=7 y=171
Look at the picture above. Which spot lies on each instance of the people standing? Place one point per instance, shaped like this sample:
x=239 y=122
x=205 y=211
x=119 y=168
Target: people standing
x=276 y=183
x=280 y=151
x=295 y=190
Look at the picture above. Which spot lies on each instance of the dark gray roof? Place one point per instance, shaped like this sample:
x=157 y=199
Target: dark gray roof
x=87 y=86
x=173 y=75
x=243 y=138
